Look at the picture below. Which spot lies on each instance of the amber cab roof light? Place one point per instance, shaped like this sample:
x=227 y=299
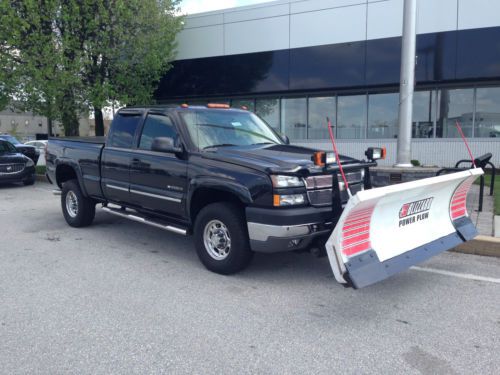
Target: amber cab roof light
x=218 y=105
x=184 y=105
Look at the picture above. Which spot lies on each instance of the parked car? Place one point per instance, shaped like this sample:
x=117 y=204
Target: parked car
x=14 y=166
x=226 y=177
x=40 y=145
x=29 y=151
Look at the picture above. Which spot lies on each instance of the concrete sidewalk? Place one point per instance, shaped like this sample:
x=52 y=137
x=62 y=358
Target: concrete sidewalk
x=485 y=243
x=483 y=220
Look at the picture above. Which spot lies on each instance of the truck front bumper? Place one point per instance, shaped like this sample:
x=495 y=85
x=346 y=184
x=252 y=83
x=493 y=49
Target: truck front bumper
x=273 y=230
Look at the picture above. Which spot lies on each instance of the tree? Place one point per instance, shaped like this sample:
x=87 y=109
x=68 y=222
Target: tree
x=128 y=46
x=38 y=78
x=70 y=56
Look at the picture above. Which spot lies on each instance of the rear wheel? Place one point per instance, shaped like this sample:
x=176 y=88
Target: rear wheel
x=78 y=210
x=221 y=238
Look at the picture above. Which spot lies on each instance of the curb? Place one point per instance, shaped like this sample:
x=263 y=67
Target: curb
x=481 y=245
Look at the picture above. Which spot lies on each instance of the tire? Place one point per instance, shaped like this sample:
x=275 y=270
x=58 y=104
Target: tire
x=29 y=182
x=78 y=210
x=225 y=221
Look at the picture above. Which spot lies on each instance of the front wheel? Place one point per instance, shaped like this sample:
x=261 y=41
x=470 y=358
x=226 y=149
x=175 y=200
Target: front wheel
x=78 y=210
x=221 y=238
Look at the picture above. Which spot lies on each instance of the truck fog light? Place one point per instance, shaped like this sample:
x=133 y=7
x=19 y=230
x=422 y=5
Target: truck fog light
x=288 y=200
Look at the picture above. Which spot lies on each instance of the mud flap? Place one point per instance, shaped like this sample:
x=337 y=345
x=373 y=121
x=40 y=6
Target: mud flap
x=385 y=230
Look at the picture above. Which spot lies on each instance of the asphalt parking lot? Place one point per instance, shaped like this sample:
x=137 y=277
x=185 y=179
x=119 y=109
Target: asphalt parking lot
x=120 y=297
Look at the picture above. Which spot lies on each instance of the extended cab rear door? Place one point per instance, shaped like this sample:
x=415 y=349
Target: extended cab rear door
x=116 y=156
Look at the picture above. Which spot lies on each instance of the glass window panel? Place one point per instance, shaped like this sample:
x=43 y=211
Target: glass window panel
x=269 y=111
x=156 y=126
x=123 y=131
x=487 y=112
x=383 y=115
x=454 y=105
x=351 y=117
x=423 y=114
x=319 y=110
x=238 y=103
x=294 y=117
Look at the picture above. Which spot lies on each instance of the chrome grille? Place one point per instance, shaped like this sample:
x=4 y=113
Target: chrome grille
x=11 y=168
x=320 y=197
x=353 y=177
x=319 y=188
x=319 y=182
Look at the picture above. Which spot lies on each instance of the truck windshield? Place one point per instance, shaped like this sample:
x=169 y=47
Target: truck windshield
x=218 y=128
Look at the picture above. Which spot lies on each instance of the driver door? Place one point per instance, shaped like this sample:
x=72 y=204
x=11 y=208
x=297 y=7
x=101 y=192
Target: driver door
x=158 y=180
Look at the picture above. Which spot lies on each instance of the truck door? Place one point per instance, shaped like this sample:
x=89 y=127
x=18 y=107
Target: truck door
x=158 y=180
x=116 y=157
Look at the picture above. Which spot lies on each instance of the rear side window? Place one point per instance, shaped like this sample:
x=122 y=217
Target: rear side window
x=156 y=126
x=122 y=131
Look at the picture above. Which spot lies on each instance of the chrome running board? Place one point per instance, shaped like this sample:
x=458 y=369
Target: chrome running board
x=140 y=219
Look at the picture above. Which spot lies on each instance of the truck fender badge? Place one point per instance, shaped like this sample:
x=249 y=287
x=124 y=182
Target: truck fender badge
x=414 y=211
x=177 y=188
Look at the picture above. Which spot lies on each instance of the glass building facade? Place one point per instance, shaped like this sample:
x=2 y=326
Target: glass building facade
x=374 y=115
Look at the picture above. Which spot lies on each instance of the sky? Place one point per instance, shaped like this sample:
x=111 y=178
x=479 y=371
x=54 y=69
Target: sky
x=198 y=6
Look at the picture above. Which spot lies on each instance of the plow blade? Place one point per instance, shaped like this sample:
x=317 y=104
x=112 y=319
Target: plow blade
x=385 y=230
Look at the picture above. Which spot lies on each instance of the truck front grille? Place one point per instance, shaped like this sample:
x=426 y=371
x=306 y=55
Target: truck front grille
x=319 y=188
x=11 y=168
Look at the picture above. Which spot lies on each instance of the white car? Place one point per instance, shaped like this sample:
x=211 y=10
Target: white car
x=40 y=146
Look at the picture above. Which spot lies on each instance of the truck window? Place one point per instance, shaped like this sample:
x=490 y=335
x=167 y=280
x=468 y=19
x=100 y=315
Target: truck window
x=156 y=126
x=122 y=131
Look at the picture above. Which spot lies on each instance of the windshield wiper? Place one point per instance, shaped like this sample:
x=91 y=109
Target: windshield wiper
x=219 y=145
x=264 y=143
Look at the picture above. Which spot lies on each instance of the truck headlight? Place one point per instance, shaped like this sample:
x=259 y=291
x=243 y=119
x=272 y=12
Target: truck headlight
x=281 y=181
x=30 y=163
x=288 y=200
x=375 y=153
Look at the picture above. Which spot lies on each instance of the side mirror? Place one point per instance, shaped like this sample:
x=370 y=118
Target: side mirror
x=165 y=144
x=285 y=139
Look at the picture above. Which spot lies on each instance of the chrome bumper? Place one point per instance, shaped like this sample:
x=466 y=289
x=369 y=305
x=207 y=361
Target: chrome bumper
x=262 y=232
x=277 y=238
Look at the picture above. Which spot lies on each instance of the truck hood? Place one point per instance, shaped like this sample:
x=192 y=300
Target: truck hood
x=8 y=158
x=270 y=158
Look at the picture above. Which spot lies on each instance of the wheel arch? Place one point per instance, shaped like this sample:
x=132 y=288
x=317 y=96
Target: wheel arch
x=66 y=171
x=205 y=192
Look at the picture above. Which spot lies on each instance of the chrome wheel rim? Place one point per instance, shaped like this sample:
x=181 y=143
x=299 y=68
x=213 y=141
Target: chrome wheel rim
x=217 y=239
x=71 y=204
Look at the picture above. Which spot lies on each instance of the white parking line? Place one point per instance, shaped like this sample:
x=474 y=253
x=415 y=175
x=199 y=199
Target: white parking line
x=467 y=276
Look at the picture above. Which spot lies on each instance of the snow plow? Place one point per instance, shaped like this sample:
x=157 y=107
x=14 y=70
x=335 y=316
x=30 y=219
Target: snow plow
x=383 y=231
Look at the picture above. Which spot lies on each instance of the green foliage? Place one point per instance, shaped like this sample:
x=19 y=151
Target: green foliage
x=415 y=163
x=60 y=58
x=40 y=169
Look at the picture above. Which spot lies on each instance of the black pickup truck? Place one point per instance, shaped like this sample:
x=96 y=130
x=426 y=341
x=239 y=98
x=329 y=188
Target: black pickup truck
x=219 y=173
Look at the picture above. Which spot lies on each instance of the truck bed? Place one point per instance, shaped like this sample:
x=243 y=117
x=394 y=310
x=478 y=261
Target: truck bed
x=86 y=152
x=99 y=140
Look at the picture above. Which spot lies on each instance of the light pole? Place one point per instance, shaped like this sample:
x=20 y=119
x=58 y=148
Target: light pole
x=407 y=83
